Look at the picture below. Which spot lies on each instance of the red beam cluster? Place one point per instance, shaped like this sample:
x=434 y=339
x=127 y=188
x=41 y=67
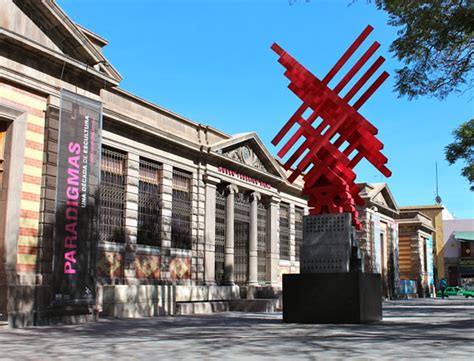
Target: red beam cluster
x=332 y=147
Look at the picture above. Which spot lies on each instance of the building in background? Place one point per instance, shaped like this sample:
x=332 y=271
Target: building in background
x=379 y=235
x=458 y=251
x=435 y=213
x=415 y=240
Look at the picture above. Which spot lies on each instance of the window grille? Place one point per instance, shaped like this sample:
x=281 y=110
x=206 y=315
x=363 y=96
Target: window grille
x=299 y=212
x=181 y=210
x=149 y=199
x=112 y=196
x=220 y=235
x=241 y=237
x=284 y=231
x=262 y=242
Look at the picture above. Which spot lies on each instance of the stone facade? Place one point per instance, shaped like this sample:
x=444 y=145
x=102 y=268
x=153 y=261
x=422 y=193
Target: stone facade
x=379 y=235
x=416 y=251
x=221 y=220
x=43 y=51
x=435 y=213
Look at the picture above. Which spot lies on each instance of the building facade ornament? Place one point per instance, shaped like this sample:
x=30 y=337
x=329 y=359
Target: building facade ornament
x=247 y=156
x=231 y=189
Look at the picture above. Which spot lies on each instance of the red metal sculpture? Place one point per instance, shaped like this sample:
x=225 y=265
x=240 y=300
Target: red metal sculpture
x=328 y=175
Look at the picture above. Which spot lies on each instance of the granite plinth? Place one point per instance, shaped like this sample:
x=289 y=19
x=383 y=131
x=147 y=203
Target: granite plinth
x=352 y=297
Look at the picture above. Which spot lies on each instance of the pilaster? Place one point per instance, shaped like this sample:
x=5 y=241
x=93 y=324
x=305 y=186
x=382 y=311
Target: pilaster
x=210 y=229
x=166 y=214
x=291 y=220
x=198 y=226
x=273 y=255
x=131 y=215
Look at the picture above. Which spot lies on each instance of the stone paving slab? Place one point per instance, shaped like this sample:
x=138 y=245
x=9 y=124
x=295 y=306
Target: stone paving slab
x=411 y=329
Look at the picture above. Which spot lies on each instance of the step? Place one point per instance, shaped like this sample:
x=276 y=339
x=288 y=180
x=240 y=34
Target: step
x=255 y=305
x=194 y=308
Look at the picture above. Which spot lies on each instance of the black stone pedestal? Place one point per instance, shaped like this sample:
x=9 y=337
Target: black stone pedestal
x=352 y=297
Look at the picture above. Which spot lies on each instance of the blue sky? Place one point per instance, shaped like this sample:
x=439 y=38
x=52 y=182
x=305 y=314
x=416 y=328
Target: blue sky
x=211 y=62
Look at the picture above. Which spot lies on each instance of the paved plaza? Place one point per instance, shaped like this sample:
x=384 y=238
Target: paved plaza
x=421 y=329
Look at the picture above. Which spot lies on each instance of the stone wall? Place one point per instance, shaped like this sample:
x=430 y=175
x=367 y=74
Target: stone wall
x=21 y=202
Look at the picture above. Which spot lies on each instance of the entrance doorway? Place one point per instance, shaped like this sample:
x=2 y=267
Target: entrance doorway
x=241 y=238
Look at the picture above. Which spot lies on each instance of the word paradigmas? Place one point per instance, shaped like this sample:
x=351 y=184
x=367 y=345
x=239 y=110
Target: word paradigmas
x=244 y=177
x=72 y=208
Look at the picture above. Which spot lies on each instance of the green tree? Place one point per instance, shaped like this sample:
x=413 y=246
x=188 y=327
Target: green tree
x=435 y=43
x=463 y=149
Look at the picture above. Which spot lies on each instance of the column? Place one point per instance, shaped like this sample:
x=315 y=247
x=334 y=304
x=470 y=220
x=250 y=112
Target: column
x=131 y=216
x=229 y=235
x=273 y=256
x=253 y=251
x=210 y=229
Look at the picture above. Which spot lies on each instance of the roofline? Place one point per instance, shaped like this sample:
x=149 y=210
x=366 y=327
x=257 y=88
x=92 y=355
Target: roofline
x=93 y=52
x=152 y=105
x=459 y=220
x=415 y=211
x=96 y=37
x=53 y=54
x=434 y=206
x=412 y=221
x=383 y=186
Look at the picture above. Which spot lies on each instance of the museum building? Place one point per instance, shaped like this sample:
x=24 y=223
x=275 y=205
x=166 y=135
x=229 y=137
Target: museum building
x=189 y=216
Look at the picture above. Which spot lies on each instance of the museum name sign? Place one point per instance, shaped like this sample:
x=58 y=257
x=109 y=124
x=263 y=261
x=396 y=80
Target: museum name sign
x=244 y=177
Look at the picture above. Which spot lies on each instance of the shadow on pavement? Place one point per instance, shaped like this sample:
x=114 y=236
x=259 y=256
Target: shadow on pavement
x=416 y=328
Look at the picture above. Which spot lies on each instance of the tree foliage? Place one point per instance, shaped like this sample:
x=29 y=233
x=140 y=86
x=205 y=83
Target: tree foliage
x=463 y=149
x=436 y=44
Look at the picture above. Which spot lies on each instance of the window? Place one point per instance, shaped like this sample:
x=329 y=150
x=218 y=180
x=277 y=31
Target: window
x=181 y=210
x=149 y=199
x=112 y=196
x=299 y=212
x=284 y=231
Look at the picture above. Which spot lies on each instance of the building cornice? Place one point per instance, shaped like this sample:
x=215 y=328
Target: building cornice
x=433 y=207
x=416 y=223
x=153 y=106
x=200 y=150
x=50 y=10
x=54 y=56
x=99 y=39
